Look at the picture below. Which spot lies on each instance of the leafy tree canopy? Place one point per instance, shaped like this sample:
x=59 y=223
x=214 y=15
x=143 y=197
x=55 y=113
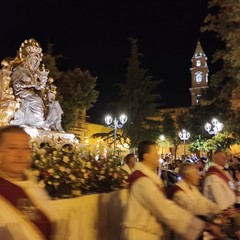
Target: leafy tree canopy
x=138 y=100
x=77 y=91
x=75 y=88
x=224 y=20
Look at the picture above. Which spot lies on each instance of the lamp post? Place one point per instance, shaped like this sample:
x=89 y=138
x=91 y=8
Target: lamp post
x=116 y=124
x=214 y=128
x=162 y=138
x=184 y=135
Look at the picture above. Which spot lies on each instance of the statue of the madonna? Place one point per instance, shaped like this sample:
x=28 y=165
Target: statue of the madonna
x=29 y=84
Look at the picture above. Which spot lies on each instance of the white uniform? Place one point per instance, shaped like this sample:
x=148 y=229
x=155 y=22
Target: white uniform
x=15 y=227
x=191 y=199
x=127 y=169
x=219 y=190
x=148 y=209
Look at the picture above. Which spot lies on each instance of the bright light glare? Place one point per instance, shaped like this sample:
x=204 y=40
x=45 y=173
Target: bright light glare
x=123 y=118
x=108 y=119
x=162 y=138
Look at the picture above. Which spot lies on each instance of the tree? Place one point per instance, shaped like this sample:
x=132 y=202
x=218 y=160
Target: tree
x=233 y=127
x=198 y=116
x=225 y=22
x=170 y=130
x=138 y=100
x=75 y=88
x=220 y=141
x=77 y=91
x=50 y=61
x=196 y=119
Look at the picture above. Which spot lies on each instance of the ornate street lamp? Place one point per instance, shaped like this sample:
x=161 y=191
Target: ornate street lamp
x=184 y=136
x=116 y=124
x=214 y=128
x=162 y=139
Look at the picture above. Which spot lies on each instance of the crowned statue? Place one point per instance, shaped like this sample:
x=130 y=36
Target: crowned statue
x=27 y=93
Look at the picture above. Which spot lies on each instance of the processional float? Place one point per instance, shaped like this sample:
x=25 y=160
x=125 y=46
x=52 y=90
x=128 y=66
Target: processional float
x=28 y=95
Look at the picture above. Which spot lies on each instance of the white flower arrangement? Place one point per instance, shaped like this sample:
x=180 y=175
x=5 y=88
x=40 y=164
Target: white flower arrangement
x=66 y=171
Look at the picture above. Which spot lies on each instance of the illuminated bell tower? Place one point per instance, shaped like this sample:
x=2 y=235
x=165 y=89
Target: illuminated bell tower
x=199 y=74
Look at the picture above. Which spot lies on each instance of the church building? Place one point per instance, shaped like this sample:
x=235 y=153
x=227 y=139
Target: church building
x=199 y=74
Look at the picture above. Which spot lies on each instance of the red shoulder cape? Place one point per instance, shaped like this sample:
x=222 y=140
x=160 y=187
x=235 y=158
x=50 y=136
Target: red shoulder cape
x=138 y=174
x=216 y=171
x=175 y=188
x=13 y=193
x=135 y=176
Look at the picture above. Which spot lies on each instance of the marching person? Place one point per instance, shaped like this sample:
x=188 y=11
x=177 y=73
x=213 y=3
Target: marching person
x=186 y=193
x=219 y=185
x=26 y=212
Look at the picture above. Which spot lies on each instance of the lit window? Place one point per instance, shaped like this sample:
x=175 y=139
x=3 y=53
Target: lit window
x=198 y=63
x=198 y=77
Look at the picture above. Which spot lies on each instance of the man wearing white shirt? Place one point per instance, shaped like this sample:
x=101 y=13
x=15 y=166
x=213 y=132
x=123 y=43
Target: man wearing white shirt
x=218 y=185
x=187 y=195
x=129 y=163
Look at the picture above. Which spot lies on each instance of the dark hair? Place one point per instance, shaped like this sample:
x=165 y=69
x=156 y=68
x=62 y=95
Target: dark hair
x=144 y=147
x=218 y=151
x=11 y=129
x=128 y=157
x=202 y=161
x=235 y=157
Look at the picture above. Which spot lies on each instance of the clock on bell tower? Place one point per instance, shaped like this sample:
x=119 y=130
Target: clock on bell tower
x=199 y=74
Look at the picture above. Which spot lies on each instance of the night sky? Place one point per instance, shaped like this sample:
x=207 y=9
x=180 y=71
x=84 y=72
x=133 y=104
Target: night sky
x=93 y=35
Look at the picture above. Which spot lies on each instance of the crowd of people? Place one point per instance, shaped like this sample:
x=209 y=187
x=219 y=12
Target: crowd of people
x=150 y=213
x=206 y=189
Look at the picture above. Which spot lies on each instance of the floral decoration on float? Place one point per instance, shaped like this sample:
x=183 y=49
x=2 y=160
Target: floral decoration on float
x=67 y=170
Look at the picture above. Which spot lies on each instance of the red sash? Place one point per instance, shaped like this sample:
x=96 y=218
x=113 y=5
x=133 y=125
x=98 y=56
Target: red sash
x=14 y=195
x=135 y=176
x=216 y=171
x=174 y=189
x=138 y=174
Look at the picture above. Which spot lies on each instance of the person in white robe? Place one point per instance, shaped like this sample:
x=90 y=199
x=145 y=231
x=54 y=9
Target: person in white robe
x=129 y=163
x=187 y=195
x=219 y=186
x=148 y=210
x=26 y=213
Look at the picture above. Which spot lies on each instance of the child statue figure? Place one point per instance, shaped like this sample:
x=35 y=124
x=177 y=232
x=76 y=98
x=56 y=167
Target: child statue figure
x=54 y=117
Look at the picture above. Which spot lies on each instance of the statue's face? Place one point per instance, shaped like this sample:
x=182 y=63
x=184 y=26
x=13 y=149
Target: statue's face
x=33 y=61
